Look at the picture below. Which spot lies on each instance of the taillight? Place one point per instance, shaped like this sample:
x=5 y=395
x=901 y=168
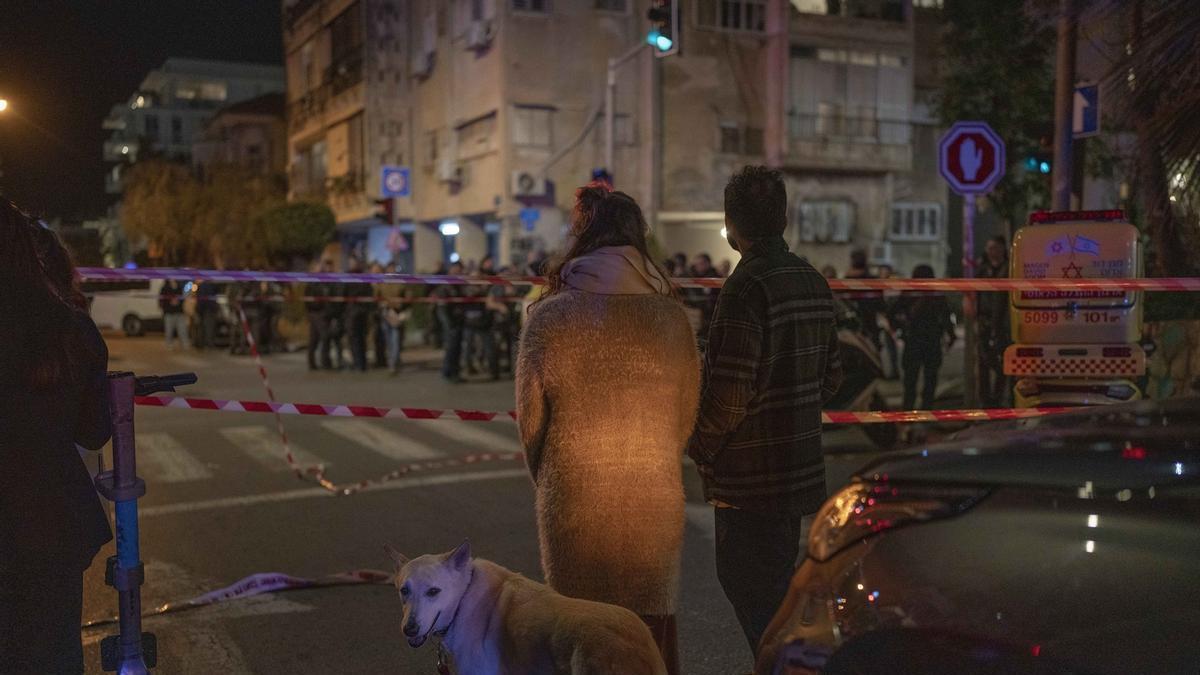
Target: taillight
x=864 y=509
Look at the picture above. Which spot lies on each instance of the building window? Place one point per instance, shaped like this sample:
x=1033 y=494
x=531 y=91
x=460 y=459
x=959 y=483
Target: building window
x=308 y=169
x=621 y=6
x=883 y=10
x=176 y=130
x=531 y=6
x=741 y=140
x=854 y=95
x=213 y=91
x=919 y=221
x=346 y=33
x=532 y=126
x=825 y=221
x=735 y=15
x=150 y=127
x=731 y=138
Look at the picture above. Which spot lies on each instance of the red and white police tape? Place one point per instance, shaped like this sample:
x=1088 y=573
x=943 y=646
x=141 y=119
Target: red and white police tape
x=257 y=584
x=1078 y=285
x=342 y=410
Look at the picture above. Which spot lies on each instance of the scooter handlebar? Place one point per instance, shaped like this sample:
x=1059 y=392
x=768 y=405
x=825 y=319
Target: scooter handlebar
x=150 y=384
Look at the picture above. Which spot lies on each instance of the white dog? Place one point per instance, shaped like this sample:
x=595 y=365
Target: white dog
x=496 y=622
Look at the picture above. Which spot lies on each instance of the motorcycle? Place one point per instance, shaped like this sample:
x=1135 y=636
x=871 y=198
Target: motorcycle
x=862 y=365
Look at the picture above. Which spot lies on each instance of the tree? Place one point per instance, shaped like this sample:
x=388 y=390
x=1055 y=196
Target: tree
x=161 y=203
x=299 y=229
x=1155 y=85
x=998 y=61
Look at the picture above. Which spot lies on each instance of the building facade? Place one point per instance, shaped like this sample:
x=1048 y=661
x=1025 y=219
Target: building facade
x=173 y=103
x=495 y=108
x=250 y=134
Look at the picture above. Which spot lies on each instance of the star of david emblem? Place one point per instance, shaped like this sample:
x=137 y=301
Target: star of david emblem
x=1072 y=271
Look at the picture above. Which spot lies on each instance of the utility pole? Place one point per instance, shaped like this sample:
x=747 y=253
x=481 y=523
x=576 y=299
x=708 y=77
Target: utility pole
x=1064 y=106
x=777 y=62
x=610 y=95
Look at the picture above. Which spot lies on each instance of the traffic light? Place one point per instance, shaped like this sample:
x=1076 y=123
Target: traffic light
x=386 y=210
x=664 y=27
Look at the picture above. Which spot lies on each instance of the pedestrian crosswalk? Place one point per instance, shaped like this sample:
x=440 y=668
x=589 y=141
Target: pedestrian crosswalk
x=189 y=456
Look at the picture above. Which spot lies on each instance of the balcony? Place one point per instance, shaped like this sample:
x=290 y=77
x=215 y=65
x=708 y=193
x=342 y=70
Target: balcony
x=842 y=143
x=307 y=106
x=346 y=72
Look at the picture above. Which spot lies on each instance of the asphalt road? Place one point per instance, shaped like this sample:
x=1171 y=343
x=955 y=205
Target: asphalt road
x=221 y=504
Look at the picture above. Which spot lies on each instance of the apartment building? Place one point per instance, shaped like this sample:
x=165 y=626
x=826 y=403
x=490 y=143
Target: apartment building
x=495 y=107
x=250 y=134
x=173 y=103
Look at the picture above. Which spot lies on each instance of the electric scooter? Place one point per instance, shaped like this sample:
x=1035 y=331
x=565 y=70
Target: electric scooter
x=131 y=652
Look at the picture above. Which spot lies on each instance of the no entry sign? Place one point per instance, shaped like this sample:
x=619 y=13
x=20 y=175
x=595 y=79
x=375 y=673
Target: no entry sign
x=971 y=158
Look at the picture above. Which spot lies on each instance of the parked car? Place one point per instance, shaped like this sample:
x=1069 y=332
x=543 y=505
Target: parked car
x=131 y=310
x=1062 y=544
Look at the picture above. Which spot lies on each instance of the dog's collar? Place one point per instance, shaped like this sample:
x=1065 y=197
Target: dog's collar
x=442 y=633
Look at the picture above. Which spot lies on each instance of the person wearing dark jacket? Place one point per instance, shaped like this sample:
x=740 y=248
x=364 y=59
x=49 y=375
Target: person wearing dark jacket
x=53 y=396
x=450 y=317
x=175 y=322
x=924 y=322
x=317 y=307
x=358 y=307
x=772 y=361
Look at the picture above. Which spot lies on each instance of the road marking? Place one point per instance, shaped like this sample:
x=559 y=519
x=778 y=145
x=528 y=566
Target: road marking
x=375 y=438
x=474 y=436
x=206 y=644
x=162 y=459
x=315 y=492
x=262 y=444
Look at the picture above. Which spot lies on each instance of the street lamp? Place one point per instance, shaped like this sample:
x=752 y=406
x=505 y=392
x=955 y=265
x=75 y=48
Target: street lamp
x=3 y=104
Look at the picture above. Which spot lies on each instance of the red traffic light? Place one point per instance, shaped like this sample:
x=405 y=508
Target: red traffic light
x=386 y=210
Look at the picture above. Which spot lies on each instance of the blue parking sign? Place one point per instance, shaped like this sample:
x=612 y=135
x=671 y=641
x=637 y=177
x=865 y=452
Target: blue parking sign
x=1086 y=120
x=395 y=182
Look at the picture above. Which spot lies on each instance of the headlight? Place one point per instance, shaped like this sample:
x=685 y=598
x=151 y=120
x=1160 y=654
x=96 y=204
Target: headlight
x=864 y=509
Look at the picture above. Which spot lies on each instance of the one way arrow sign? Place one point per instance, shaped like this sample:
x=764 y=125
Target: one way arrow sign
x=1086 y=121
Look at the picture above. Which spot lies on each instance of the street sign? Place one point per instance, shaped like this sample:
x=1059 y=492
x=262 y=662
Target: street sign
x=971 y=158
x=1086 y=120
x=395 y=182
x=529 y=218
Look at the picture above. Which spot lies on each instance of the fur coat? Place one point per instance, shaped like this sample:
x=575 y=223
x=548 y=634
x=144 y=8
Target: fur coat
x=607 y=392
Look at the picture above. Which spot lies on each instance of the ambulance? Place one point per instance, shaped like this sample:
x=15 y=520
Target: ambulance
x=1075 y=347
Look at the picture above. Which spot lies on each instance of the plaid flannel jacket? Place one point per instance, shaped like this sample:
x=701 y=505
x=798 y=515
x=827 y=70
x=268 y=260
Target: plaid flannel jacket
x=772 y=361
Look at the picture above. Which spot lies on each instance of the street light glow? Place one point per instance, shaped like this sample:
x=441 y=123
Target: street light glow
x=3 y=104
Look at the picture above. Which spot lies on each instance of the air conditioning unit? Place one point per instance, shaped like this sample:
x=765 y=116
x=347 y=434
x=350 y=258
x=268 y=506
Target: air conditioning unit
x=528 y=184
x=880 y=253
x=448 y=170
x=479 y=35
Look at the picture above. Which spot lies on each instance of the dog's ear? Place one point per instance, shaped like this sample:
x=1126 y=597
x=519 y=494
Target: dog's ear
x=399 y=558
x=461 y=556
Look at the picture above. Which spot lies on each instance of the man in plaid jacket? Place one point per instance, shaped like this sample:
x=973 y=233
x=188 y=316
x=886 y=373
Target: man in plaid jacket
x=772 y=361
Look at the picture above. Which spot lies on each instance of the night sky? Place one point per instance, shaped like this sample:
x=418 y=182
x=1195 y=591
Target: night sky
x=64 y=64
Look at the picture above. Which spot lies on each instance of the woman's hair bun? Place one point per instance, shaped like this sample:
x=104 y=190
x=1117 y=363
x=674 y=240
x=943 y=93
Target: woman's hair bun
x=591 y=195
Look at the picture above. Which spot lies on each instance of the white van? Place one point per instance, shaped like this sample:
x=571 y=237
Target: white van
x=133 y=311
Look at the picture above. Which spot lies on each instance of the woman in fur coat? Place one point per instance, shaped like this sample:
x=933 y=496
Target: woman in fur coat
x=608 y=381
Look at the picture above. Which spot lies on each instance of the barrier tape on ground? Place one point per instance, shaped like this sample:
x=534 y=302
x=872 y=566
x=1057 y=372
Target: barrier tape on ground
x=940 y=285
x=316 y=473
x=318 y=409
x=257 y=584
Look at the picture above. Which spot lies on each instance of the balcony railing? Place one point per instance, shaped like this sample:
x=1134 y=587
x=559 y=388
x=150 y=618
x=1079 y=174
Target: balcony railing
x=307 y=106
x=855 y=129
x=845 y=142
